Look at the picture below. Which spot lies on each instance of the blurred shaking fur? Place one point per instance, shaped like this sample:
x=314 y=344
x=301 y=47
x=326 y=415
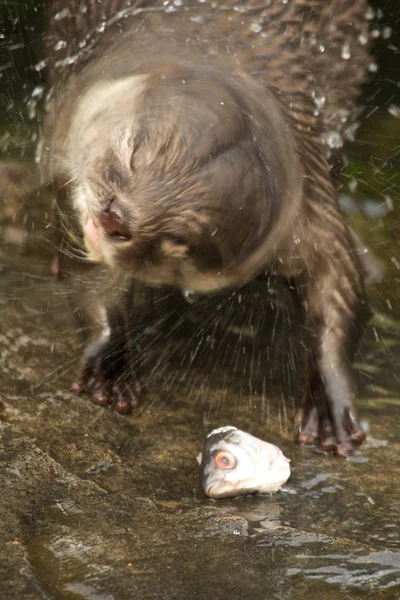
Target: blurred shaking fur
x=197 y=144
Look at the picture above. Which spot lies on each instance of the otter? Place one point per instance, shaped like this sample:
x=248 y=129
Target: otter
x=197 y=144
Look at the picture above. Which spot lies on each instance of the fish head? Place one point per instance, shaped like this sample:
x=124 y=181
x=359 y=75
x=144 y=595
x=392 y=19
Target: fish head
x=235 y=462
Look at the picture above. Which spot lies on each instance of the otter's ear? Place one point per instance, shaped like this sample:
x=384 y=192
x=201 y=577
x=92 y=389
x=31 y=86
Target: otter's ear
x=131 y=149
x=125 y=147
x=144 y=148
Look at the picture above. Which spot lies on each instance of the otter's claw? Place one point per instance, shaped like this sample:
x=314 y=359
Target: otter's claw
x=341 y=438
x=107 y=378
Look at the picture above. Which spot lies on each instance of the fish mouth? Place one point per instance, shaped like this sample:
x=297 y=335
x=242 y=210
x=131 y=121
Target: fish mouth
x=208 y=489
x=211 y=490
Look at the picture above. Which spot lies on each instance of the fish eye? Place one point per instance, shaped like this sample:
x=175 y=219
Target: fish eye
x=225 y=460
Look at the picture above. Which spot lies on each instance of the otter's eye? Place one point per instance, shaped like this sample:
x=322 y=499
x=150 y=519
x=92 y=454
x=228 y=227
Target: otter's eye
x=225 y=460
x=113 y=223
x=179 y=241
x=175 y=246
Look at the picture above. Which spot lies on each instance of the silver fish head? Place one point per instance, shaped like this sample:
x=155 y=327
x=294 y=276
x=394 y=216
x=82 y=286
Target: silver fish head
x=234 y=462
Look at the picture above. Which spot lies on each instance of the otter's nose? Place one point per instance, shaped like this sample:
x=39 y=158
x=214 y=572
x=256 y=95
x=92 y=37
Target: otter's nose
x=113 y=223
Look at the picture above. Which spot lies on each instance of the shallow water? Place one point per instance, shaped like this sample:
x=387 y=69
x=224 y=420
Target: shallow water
x=102 y=507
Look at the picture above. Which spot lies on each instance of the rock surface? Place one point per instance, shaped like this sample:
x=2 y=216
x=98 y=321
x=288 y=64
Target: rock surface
x=98 y=506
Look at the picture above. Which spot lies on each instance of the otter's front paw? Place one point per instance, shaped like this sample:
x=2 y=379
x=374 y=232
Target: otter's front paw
x=107 y=377
x=328 y=433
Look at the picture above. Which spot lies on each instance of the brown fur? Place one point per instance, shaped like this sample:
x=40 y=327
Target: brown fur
x=198 y=143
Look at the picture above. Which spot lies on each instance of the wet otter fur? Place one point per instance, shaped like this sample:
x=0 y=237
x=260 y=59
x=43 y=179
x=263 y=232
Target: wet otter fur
x=196 y=145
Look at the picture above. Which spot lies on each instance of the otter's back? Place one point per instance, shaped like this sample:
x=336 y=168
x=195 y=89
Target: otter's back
x=313 y=53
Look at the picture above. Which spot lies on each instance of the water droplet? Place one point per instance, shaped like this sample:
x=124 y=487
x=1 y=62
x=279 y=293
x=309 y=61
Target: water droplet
x=189 y=296
x=373 y=67
x=40 y=65
x=321 y=48
x=369 y=15
x=351 y=131
x=353 y=183
x=394 y=111
x=62 y=14
x=332 y=139
x=67 y=61
x=319 y=99
x=31 y=107
x=344 y=115
x=375 y=33
x=386 y=33
x=255 y=27
x=101 y=27
x=38 y=91
x=389 y=202
x=346 y=54
x=296 y=240
x=363 y=39
x=60 y=45
x=395 y=262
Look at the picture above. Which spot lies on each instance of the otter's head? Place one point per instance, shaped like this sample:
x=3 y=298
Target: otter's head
x=181 y=179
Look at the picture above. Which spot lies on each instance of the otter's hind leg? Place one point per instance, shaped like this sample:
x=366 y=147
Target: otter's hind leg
x=335 y=310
